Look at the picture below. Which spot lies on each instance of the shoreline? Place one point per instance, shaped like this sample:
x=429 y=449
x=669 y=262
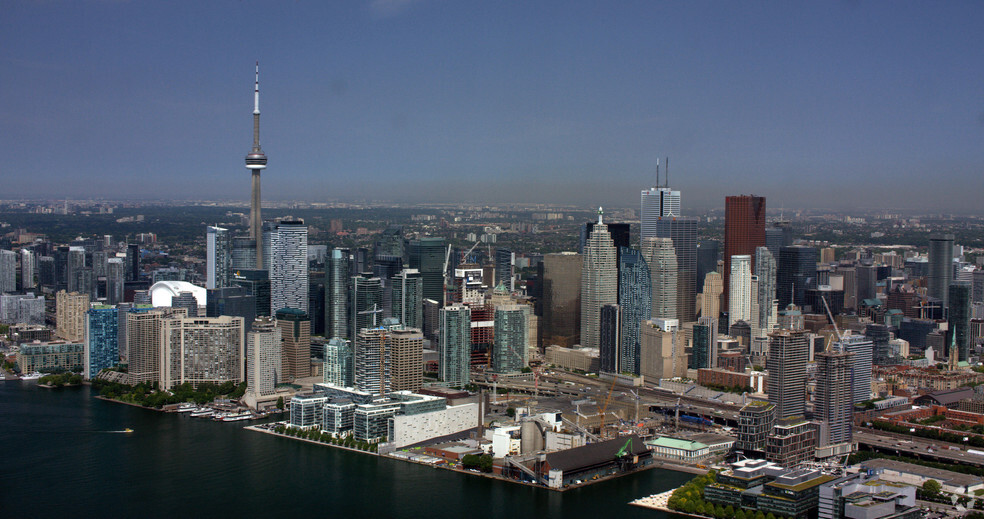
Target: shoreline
x=493 y=476
x=658 y=502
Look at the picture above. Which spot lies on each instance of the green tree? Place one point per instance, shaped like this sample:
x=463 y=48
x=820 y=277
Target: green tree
x=932 y=487
x=510 y=412
x=280 y=402
x=485 y=463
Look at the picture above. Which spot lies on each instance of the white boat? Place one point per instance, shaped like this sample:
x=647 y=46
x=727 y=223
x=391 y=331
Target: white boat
x=186 y=408
x=31 y=376
x=237 y=417
x=202 y=412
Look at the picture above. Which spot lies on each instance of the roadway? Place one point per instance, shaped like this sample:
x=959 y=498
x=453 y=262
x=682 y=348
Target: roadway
x=916 y=447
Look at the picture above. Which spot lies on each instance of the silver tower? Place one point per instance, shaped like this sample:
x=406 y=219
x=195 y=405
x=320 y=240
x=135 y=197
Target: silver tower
x=256 y=162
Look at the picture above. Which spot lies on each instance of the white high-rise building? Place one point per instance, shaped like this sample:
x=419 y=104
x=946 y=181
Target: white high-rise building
x=8 y=271
x=27 y=269
x=599 y=281
x=218 y=257
x=661 y=257
x=288 y=265
x=263 y=358
x=657 y=202
x=740 y=291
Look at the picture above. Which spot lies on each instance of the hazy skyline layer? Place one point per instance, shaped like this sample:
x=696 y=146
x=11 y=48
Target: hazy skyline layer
x=828 y=105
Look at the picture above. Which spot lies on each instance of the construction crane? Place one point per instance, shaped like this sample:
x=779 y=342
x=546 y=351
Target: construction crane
x=636 y=396
x=375 y=311
x=464 y=257
x=831 y=316
x=601 y=426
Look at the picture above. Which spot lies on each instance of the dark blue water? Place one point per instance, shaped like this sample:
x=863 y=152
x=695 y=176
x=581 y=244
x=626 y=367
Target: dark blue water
x=61 y=456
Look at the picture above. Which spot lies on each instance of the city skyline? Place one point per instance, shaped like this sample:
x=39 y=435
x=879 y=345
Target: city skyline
x=390 y=100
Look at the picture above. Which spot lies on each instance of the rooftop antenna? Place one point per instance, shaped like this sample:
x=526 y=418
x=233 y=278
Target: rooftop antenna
x=600 y=212
x=666 y=173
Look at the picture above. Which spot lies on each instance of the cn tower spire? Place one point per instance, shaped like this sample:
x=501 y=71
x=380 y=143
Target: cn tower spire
x=256 y=162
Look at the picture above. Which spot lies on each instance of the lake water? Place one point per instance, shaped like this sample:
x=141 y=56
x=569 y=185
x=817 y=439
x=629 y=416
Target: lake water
x=63 y=454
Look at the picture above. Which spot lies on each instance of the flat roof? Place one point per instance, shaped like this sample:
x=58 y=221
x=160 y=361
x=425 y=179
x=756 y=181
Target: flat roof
x=943 y=476
x=676 y=443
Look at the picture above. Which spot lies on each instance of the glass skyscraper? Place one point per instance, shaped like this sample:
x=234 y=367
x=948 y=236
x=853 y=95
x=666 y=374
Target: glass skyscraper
x=218 y=259
x=407 y=298
x=339 y=360
x=509 y=350
x=683 y=232
x=454 y=345
x=635 y=300
x=102 y=347
x=337 y=284
x=797 y=273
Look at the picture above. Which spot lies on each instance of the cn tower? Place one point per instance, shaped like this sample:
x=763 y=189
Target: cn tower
x=256 y=162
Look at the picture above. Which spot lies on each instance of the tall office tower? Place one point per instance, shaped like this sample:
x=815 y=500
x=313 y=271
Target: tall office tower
x=289 y=266
x=132 y=262
x=144 y=343
x=199 y=350
x=862 y=348
x=683 y=232
x=662 y=353
x=316 y=302
x=797 y=273
x=765 y=270
x=560 y=276
x=977 y=290
x=390 y=242
x=295 y=331
x=218 y=259
x=407 y=297
x=505 y=265
x=657 y=202
x=705 y=350
x=610 y=339
x=881 y=350
x=102 y=347
x=661 y=258
x=789 y=351
x=427 y=255
x=46 y=271
x=958 y=318
x=61 y=267
x=710 y=299
x=99 y=259
x=115 y=274
x=866 y=279
x=242 y=254
x=337 y=292
x=339 y=362
x=599 y=281
x=8 y=271
x=27 y=270
x=264 y=368
x=75 y=262
x=256 y=162
x=257 y=284
x=367 y=299
x=621 y=237
x=940 y=267
x=406 y=346
x=372 y=361
x=777 y=236
x=454 y=345
x=740 y=290
x=834 y=406
x=509 y=351
x=234 y=300
x=384 y=268
x=70 y=309
x=635 y=303
x=708 y=253
x=744 y=231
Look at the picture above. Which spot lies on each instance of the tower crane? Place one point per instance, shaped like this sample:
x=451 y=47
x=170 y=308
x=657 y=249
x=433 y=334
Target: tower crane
x=604 y=409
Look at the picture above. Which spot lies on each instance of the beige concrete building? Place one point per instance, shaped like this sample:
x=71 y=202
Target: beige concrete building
x=407 y=355
x=200 y=350
x=295 y=330
x=144 y=343
x=710 y=300
x=662 y=353
x=70 y=309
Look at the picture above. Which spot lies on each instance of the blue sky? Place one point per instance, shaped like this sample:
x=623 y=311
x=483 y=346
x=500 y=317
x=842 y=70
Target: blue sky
x=812 y=104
